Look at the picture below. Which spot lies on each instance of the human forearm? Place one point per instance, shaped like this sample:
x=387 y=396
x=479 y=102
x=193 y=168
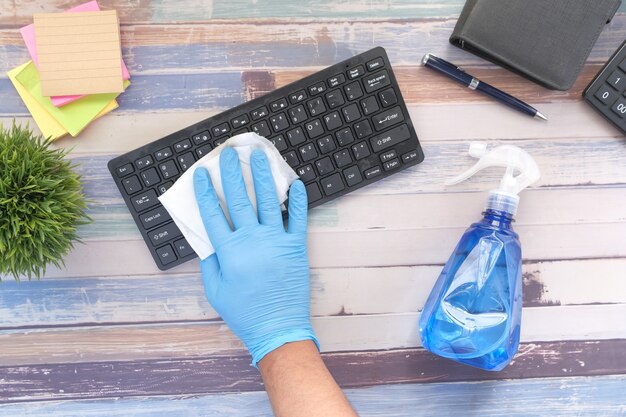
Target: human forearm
x=299 y=384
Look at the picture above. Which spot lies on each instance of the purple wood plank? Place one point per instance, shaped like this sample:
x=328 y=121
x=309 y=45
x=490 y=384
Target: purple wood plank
x=235 y=374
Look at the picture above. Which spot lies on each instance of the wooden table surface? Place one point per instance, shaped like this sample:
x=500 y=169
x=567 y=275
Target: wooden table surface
x=111 y=335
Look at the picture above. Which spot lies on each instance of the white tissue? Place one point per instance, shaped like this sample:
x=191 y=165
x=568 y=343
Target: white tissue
x=180 y=200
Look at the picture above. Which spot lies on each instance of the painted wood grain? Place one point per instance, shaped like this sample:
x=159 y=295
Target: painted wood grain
x=77 y=344
x=334 y=291
x=235 y=374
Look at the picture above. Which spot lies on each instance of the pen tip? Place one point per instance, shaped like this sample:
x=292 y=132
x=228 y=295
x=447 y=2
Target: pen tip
x=541 y=116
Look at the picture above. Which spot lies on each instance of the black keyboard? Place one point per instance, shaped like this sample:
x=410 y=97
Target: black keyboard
x=606 y=90
x=340 y=129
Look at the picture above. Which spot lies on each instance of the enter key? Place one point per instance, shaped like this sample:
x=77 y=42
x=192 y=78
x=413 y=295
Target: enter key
x=387 y=118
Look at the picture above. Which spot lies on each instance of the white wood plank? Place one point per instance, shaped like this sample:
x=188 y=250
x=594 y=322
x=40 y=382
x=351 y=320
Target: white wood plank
x=338 y=333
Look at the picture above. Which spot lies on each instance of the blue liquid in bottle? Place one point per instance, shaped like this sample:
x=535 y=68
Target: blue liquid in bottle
x=474 y=311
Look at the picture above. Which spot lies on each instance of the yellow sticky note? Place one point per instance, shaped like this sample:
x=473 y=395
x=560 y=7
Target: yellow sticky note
x=74 y=116
x=49 y=126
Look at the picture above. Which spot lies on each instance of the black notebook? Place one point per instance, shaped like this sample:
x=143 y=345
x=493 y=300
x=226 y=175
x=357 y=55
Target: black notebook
x=547 y=41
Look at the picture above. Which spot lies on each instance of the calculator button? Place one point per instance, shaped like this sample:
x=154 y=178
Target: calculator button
x=605 y=94
x=619 y=107
x=617 y=80
x=163 y=153
x=313 y=192
x=150 y=177
x=125 y=170
x=356 y=72
x=166 y=255
x=332 y=185
x=131 y=184
x=141 y=163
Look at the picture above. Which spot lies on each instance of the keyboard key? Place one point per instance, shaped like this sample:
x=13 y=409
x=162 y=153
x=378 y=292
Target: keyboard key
x=334 y=98
x=296 y=136
x=166 y=255
x=390 y=138
x=353 y=91
x=313 y=192
x=279 y=142
x=332 y=184
x=387 y=156
x=622 y=65
x=219 y=141
x=316 y=106
x=163 y=154
x=240 y=121
x=203 y=150
x=351 y=113
x=605 y=94
x=324 y=166
x=164 y=233
x=132 y=184
x=186 y=161
x=372 y=172
x=369 y=105
x=387 y=118
x=314 y=128
x=376 y=81
x=363 y=129
x=356 y=72
x=164 y=187
x=297 y=97
x=291 y=158
x=125 y=170
x=298 y=114
x=336 y=80
x=333 y=121
x=279 y=122
x=617 y=80
x=317 y=88
x=352 y=176
x=183 y=248
x=389 y=165
x=308 y=152
x=201 y=137
x=306 y=173
x=619 y=107
x=344 y=136
x=259 y=113
x=145 y=201
x=154 y=217
x=342 y=158
x=361 y=150
x=182 y=146
x=388 y=97
x=221 y=129
x=374 y=64
x=261 y=129
x=168 y=169
x=143 y=162
x=278 y=105
x=150 y=177
x=409 y=156
x=326 y=144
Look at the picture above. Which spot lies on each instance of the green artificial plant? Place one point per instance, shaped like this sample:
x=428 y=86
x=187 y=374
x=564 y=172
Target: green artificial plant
x=41 y=203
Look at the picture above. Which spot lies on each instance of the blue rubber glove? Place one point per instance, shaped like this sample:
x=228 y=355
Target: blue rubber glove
x=258 y=277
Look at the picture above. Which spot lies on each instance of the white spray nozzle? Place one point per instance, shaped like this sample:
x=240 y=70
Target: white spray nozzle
x=513 y=158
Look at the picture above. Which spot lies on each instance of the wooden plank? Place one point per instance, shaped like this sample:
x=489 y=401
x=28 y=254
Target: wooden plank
x=336 y=333
x=234 y=374
x=334 y=291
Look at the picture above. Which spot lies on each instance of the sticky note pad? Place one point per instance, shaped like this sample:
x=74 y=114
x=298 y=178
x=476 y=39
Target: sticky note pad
x=74 y=116
x=79 y=53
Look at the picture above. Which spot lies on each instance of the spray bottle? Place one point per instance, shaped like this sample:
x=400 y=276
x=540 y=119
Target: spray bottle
x=474 y=311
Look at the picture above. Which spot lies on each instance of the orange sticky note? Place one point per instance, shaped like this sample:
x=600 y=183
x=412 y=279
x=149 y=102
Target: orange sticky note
x=79 y=53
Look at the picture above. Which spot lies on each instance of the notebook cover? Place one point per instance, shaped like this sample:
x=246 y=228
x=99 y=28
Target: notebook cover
x=545 y=41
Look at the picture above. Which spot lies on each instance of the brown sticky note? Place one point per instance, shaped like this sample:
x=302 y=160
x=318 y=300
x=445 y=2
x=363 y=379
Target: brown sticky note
x=79 y=53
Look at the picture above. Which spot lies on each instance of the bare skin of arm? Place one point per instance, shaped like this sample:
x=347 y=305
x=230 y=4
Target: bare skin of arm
x=299 y=384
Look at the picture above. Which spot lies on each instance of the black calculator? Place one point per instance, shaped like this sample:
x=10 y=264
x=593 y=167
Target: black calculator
x=606 y=90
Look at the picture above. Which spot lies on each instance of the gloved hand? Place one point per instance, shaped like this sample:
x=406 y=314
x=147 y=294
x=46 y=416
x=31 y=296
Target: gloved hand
x=258 y=277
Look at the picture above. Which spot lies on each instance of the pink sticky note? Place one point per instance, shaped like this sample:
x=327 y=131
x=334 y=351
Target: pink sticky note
x=28 y=34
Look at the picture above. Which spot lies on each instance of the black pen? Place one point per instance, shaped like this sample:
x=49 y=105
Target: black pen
x=472 y=83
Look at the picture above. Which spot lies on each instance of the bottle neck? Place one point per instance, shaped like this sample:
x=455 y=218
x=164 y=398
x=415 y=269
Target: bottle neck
x=497 y=218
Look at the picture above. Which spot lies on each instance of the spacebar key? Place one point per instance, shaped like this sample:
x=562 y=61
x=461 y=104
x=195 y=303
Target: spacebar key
x=390 y=138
